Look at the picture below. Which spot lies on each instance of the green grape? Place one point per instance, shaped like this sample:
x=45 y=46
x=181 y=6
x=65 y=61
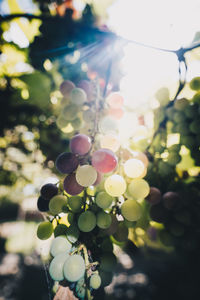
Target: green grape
x=138 y=189
x=131 y=210
x=195 y=83
x=44 y=230
x=115 y=185
x=95 y=281
x=70 y=217
x=194 y=126
x=173 y=158
x=129 y=224
x=74 y=268
x=104 y=200
x=72 y=233
x=69 y=112
x=121 y=235
x=104 y=220
x=196 y=98
x=87 y=221
x=56 y=266
x=61 y=122
x=60 y=229
x=78 y=96
x=75 y=203
x=182 y=128
x=179 y=117
x=108 y=262
x=162 y=95
x=77 y=123
x=181 y=104
x=86 y=175
x=134 y=168
x=80 y=288
x=107 y=245
x=60 y=244
x=106 y=277
x=56 y=204
x=191 y=111
x=164 y=168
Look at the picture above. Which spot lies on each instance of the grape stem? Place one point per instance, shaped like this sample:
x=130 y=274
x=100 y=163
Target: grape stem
x=87 y=263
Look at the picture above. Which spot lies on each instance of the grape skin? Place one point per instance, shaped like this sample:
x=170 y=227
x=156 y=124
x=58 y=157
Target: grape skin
x=60 y=244
x=48 y=191
x=87 y=221
x=80 y=144
x=103 y=200
x=104 y=160
x=56 y=266
x=56 y=204
x=86 y=175
x=44 y=230
x=74 y=268
x=95 y=281
x=66 y=163
x=104 y=220
x=115 y=185
x=131 y=210
x=71 y=186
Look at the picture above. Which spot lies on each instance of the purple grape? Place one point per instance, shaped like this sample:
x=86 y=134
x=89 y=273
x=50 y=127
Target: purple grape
x=48 y=191
x=171 y=200
x=154 y=196
x=80 y=144
x=87 y=87
x=158 y=213
x=66 y=87
x=42 y=204
x=66 y=163
x=104 y=160
x=71 y=186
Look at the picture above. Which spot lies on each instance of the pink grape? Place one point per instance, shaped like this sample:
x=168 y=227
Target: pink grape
x=80 y=144
x=71 y=186
x=99 y=178
x=104 y=160
x=116 y=113
x=66 y=163
x=115 y=100
x=66 y=87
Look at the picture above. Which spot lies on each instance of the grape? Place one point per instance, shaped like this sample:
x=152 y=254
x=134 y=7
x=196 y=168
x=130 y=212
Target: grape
x=74 y=268
x=179 y=117
x=108 y=262
x=129 y=224
x=138 y=188
x=106 y=277
x=141 y=156
x=71 y=186
x=89 y=116
x=131 y=210
x=158 y=213
x=86 y=175
x=195 y=83
x=78 y=96
x=104 y=220
x=115 y=185
x=116 y=113
x=181 y=104
x=77 y=123
x=44 y=230
x=134 y=168
x=163 y=96
x=108 y=124
x=61 y=122
x=113 y=227
x=104 y=160
x=48 y=191
x=171 y=200
x=95 y=281
x=80 y=144
x=66 y=163
x=104 y=200
x=66 y=87
x=60 y=244
x=191 y=111
x=87 y=221
x=75 y=203
x=56 y=266
x=154 y=196
x=69 y=112
x=60 y=229
x=87 y=87
x=121 y=235
x=70 y=217
x=99 y=178
x=194 y=126
x=42 y=204
x=173 y=158
x=56 y=204
x=72 y=233
x=80 y=288
x=115 y=100
x=110 y=141
x=196 y=98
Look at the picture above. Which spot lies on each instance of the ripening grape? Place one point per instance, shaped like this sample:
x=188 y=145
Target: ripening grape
x=99 y=178
x=74 y=268
x=95 y=281
x=108 y=124
x=154 y=196
x=60 y=229
x=42 y=204
x=104 y=160
x=115 y=100
x=108 y=261
x=66 y=87
x=75 y=203
x=171 y=200
x=121 y=235
x=60 y=244
x=86 y=175
x=104 y=220
x=66 y=163
x=78 y=96
x=71 y=186
x=80 y=144
x=110 y=141
x=56 y=204
x=87 y=221
x=56 y=266
x=134 y=168
x=44 y=230
x=195 y=83
x=48 y=191
x=115 y=185
x=87 y=87
x=81 y=288
x=116 y=113
x=131 y=210
x=72 y=233
x=103 y=200
x=138 y=188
